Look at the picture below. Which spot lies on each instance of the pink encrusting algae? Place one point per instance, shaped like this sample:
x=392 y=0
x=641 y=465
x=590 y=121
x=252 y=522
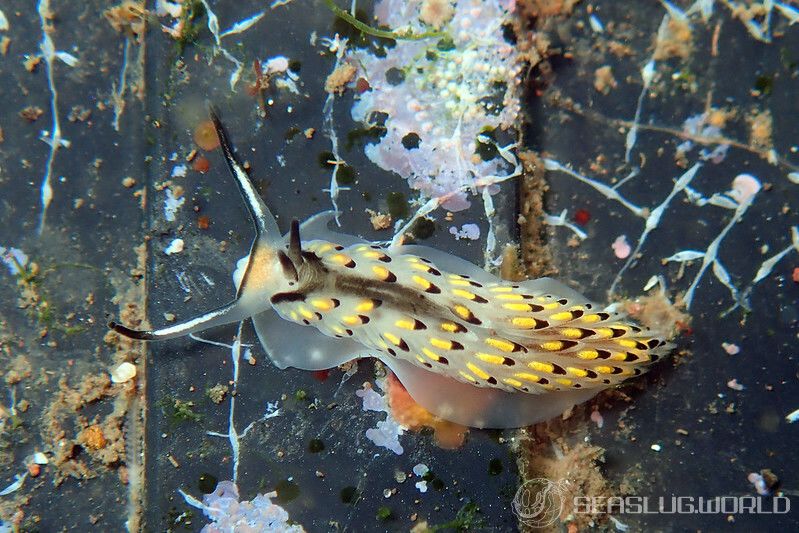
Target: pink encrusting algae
x=441 y=95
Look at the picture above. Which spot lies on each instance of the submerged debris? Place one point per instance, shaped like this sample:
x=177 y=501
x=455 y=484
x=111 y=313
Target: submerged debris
x=227 y=513
x=388 y=431
x=123 y=373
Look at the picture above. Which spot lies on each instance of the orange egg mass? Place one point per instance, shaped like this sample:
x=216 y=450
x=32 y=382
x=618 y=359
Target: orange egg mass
x=205 y=136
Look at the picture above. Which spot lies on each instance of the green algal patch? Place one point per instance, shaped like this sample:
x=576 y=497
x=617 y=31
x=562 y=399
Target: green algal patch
x=178 y=411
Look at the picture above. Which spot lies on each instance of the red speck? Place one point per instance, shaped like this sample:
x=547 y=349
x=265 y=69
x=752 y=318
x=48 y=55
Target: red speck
x=362 y=85
x=684 y=328
x=201 y=164
x=203 y=222
x=582 y=216
x=795 y=276
x=321 y=375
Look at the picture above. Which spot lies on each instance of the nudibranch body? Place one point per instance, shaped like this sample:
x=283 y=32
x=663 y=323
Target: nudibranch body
x=468 y=346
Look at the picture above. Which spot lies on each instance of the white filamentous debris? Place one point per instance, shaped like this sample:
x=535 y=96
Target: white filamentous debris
x=560 y=220
x=237 y=28
x=339 y=47
x=765 y=269
x=601 y=188
x=53 y=137
x=711 y=254
x=653 y=220
x=761 y=30
x=232 y=435
x=647 y=74
x=242 y=25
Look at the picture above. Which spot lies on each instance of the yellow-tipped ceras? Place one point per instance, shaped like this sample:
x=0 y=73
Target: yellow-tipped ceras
x=469 y=347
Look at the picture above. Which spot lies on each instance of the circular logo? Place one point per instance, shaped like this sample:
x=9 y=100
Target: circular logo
x=539 y=502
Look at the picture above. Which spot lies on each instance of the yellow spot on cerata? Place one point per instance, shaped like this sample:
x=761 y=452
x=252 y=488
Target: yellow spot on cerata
x=323 y=305
x=490 y=358
x=574 y=371
x=294 y=316
x=572 y=333
x=420 y=266
x=467 y=377
x=351 y=320
x=423 y=283
x=405 y=324
x=460 y=293
x=306 y=313
x=511 y=296
x=590 y=319
x=325 y=248
x=500 y=344
x=341 y=259
x=627 y=343
x=541 y=367
x=618 y=356
x=452 y=327
x=588 y=354
x=477 y=371
x=501 y=288
x=462 y=311
x=564 y=315
x=455 y=276
x=365 y=306
x=412 y=259
x=381 y=272
x=393 y=339
x=527 y=376
x=459 y=282
x=603 y=333
x=373 y=254
x=441 y=343
x=512 y=382
x=604 y=369
x=338 y=330
x=550 y=306
x=517 y=307
x=564 y=381
x=552 y=346
x=421 y=359
x=524 y=322
x=431 y=354
x=382 y=344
